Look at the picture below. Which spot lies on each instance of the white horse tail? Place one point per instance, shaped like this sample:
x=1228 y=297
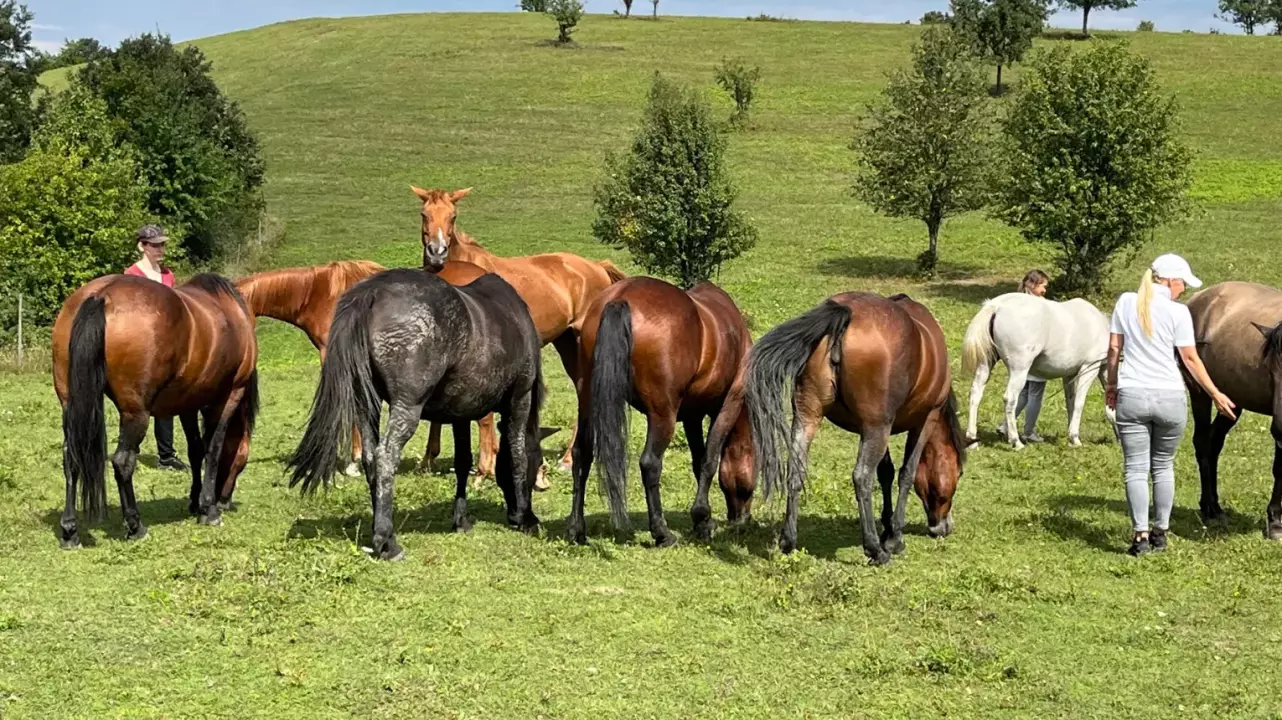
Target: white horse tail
x=978 y=346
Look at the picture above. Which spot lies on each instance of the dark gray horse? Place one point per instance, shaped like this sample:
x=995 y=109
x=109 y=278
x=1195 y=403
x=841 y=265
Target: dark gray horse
x=1238 y=327
x=435 y=352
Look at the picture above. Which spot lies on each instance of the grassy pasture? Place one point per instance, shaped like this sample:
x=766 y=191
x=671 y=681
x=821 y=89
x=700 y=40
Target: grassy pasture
x=1031 y=608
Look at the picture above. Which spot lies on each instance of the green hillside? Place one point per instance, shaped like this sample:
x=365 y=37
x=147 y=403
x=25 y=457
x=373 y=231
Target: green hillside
x=1029 y=609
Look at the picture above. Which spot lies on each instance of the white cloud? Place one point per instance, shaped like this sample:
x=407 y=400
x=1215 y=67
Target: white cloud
x=50 y=28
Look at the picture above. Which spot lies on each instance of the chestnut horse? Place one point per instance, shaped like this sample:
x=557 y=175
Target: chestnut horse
x=557 y=287
x=153 y=350
x=874 y=366
x=674 y=356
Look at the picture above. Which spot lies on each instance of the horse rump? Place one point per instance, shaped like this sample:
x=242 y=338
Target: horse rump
x=977 y=346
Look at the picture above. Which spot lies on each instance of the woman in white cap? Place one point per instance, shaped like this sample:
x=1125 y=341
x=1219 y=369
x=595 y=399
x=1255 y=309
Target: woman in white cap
x=1147 y=390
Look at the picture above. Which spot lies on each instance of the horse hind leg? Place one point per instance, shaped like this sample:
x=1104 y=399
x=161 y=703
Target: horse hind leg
x=433 y=448
x=208 y=510
x=661 y=426
x=402 y=421
x=872 y=449
x=1273 y=513
x=1076 y=390
x=462 y=468
x=133 y=428
x=982 y=373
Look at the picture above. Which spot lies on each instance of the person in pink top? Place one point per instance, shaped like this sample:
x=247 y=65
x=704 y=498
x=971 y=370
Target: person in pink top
x=151 y=243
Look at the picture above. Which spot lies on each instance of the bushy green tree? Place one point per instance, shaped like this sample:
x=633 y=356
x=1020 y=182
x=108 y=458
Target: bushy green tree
x=69 y=209
x=1250 y=14
x=1086 y=6
x=1093 y=159
x=1001 y=31
x=538 y=6
x=935 y=17
x=19 y=73
x=669 y=202
x=76 y=52
x=567 y=14
x=923 y=152
x=202 y=164
x=740 y=83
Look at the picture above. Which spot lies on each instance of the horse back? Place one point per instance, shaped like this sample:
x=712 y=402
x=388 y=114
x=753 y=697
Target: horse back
x=558 y=287
x=1227 y=322
x=725 y=341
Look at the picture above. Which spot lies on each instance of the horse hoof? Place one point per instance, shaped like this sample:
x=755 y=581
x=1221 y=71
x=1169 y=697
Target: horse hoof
x=139 y=534
x=71 y=543
x=1213 y=517
x=541 y=483
x=352 y=470
x=665 y=541
x=1273 y=532
x=703 y=531
x=1017 y=445
x=786 y=546
x=879 y=558
x=463 y=526
x=210 y=520
x=1074 y=442
x=893 y=545
x=576 y=536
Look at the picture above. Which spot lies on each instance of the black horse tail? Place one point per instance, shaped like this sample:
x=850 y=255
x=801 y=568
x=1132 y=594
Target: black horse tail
x=774 y=362
x=345 y=396
x=611 y=389
x=84 y=427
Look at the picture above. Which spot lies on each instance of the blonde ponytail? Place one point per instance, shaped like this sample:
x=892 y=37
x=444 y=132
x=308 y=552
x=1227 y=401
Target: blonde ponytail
x=1144 y=304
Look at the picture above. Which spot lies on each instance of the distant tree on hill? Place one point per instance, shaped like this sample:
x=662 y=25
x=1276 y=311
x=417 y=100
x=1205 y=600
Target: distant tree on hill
x=567 y=14
x=77 y=52
x=655 y=11
x=934 y=17
x=19 y=77
x=627 y=8
x=1001 y=31
x=1093 y=160
x=1086 y=6
x=669 y=201
x=535 y=6
x=1250 y=14
x=925 y=149
x=740 y=83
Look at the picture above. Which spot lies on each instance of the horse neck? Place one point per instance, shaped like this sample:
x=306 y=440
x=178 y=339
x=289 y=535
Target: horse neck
x=279 y=294
x=465 y=249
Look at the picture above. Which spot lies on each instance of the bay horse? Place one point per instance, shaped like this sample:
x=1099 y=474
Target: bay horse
x=431 y=351
x=188 y=351
x=557 y=287
x=1066 y=340
x=1238 y=329
x=874 y=366
x=673 y=355
x=305 y=297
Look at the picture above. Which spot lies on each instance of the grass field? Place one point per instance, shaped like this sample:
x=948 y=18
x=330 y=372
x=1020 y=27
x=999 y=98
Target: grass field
x=1029 y=609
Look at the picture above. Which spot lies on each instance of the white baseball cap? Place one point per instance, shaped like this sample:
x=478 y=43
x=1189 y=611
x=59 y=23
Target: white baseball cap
x=1174 y=267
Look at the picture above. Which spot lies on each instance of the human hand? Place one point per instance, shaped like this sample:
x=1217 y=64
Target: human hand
x=1110 y=398
x=1224 y=405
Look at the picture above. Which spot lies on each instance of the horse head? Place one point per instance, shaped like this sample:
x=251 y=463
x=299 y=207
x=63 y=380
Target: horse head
x=941 y=466
x=438 y=230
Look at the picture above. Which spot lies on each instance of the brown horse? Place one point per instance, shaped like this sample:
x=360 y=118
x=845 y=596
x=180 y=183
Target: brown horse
x=873 y=366
x=557 y=287
x=153 y=350
x=673 y=355
x=1238 y=327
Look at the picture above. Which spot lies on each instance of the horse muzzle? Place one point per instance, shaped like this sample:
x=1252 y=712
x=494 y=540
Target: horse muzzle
x=435 y=255
x=943 y=528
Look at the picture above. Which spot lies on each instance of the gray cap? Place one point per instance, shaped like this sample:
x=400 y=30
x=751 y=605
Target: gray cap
x=150 y=233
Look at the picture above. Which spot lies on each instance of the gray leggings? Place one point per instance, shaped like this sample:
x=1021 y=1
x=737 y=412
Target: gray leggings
x=1151 y=424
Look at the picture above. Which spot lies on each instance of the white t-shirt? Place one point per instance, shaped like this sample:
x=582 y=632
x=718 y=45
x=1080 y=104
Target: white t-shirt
x=1149 y=362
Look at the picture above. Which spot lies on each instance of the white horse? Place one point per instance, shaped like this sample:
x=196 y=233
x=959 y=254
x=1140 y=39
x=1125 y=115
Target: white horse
x=1066 y=340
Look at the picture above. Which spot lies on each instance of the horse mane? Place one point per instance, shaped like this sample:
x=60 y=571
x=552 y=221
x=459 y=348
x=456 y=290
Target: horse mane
x=345 y=273
x=956 y=436
x=215 y=284
x=1272 y=342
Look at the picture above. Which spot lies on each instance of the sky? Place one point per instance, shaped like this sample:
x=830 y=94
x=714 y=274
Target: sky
x=111 y=21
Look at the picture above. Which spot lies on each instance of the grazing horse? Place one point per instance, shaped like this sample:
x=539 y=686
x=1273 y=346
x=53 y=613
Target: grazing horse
x=873 y=366
x=673 y=355
x=1238 y=327
x=1066 y=340
x=154 y=350
x=557 y=287
x=431 y=351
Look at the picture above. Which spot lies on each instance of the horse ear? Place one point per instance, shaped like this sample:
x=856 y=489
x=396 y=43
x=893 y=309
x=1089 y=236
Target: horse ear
x=460 y=194
x=1264 y=330
x=420 y=192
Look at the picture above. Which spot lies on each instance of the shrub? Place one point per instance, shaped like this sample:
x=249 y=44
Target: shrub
x=1093 y=159
x=1146 y=26
x=202 y=164
x=740 y=82
x=924 y=151
x=567 y=14
x=669 y=201
x=19 y=70
x=934 y=17
x=69 y=209
x=536 y=6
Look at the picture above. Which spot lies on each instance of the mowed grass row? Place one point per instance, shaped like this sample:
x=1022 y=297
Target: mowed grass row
x=1030 y=607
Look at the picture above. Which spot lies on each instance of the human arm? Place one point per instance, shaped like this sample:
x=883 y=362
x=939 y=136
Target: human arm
x=1116 y=341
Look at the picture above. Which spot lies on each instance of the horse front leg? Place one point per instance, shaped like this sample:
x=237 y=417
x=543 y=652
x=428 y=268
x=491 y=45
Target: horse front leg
x=462 y=468
x=1208 y=442
x=433 y=449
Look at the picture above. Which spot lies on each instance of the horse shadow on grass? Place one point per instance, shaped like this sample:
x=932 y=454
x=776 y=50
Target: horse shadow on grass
x=887 y=267
x=433 y=518
x=1185 y=523
x=160 y=511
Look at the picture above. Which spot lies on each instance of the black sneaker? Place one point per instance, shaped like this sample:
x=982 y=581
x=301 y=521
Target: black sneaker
x=1139 y=546
x=1157 y=540
x=172 y=463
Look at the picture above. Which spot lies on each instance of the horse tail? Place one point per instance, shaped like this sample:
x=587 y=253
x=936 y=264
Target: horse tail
x=775 y=361
x=611 y=388
x=978 y=347
x=345 y=393
x=84 y=427
x=249 y=403
x=613 y=271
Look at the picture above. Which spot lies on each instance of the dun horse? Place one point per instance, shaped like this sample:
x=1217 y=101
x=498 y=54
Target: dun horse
x=435 y=352
x=873 y=366
x=1066 y=340
x=154 y=350
x=674 y=356
x=1238 y=327
x=557 y=287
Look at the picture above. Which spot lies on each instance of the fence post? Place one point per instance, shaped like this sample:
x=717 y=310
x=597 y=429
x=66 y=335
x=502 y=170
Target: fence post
x=19 y=328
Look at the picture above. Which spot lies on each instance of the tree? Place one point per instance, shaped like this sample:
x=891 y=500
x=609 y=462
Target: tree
x=202 y=164
x=740 y=82
x=69 y=209
x=77 y=52
x=669 y=201
x=1086 y=6
x=1247 y=13
x=1001 y=31
x=567 y=14
x=1273 y=14
x=536 y=6
x=654 y=9
x=924 y=149
x=1093 y=159
x=934 y=17
x=19 y=77
x=627 y=8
